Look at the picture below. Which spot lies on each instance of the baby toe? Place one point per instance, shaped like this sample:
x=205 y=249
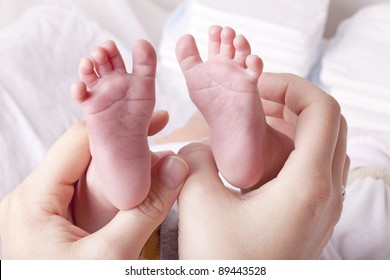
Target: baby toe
x=101 y=61
x=187 y=53
x=114 y=56
x=255 y=66
x=227 y=48
x=144 y=59
x=79 y=91
x=214 y=40
x=243 y=49
x=87 y=72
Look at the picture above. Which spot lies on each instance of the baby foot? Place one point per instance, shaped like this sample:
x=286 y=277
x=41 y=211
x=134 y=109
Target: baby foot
x=224 y=88
x=118 y=107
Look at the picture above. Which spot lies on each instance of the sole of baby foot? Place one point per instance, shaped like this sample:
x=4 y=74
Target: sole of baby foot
x=118 y=107
x=224 y=88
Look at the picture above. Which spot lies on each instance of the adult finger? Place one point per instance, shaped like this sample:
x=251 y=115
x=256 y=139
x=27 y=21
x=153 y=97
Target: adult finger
x=279 y=117
x=207 y=209
x=67 y=159
x=277 y=110
x=282 y=126
x=158 y=121
x=340 y=157
x=129 y=230
x=273 y=109
x=318 y=117
x=203 y=170
x=338 y=176
x=65 y=162
x=340 y=167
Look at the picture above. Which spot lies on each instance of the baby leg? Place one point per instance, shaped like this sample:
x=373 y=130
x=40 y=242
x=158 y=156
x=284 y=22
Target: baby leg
x=224 y=88
x=117 y=108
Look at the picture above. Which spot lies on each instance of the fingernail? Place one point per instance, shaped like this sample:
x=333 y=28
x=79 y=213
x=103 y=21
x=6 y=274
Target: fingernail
x=172 y=172
x=162 y=112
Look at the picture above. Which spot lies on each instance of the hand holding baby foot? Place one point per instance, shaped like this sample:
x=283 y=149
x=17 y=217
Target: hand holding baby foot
x=290 y=217
x=36 y=220
x=224 y=88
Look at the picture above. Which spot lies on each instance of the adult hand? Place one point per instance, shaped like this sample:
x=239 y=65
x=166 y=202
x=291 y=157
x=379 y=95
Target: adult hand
x=290 y=217
x=36 y=221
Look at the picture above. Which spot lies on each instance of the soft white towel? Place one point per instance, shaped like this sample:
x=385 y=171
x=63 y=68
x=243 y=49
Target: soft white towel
x=285 y=34
x=356 y=68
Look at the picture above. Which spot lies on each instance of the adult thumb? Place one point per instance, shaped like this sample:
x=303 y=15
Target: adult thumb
x=132 y=228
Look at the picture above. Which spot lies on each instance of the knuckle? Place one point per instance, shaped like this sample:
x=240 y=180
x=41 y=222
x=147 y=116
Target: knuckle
x=333 y=105
x=153 y=206
x=321 y=203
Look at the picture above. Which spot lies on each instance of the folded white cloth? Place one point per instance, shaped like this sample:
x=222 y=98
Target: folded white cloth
x=356 y=68
x=285 y=34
